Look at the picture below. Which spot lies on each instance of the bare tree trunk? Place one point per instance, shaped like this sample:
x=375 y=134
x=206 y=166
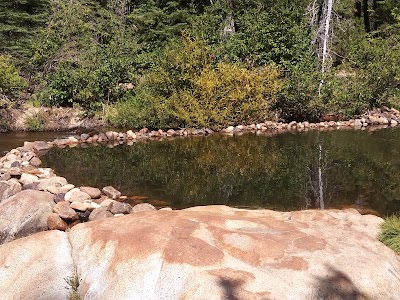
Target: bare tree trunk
x=325 y=26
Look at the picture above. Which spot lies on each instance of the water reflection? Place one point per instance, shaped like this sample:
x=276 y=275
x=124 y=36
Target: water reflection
x=290 y=171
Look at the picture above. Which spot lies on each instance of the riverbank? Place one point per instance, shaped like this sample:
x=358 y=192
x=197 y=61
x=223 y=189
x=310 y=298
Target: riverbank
x=63 y=119
x=46 y=119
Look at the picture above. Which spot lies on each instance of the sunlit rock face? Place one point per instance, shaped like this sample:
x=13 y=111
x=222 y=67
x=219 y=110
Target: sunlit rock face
x=217 y=252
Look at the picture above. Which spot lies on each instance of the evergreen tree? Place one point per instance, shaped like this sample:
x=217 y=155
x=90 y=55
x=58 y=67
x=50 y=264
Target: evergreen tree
x=19 y=22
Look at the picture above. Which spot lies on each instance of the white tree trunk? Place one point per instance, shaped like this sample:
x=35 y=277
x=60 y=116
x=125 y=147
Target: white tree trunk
x=325 y=39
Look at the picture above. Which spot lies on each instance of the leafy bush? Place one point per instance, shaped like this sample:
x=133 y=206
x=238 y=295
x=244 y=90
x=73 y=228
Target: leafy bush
x=189 y=89
x=10 y=80
x=390 y=233
x=35 y=122
x=83 y=55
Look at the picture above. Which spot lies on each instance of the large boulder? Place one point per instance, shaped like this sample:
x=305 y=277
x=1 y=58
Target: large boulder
x=37 y=267
x=24 y=213
x=224 y=253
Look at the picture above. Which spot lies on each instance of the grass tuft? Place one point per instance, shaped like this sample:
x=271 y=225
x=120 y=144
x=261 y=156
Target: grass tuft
x=390 y=233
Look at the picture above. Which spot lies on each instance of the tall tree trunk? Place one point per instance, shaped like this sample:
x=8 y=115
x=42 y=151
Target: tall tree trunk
x=323 y=34
x=367 y=25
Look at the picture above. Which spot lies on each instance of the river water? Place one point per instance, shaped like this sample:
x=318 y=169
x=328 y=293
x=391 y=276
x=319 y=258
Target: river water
x=291 y=171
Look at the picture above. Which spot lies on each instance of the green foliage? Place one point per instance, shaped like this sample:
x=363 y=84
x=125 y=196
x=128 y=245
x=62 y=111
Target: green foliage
x=19 y=22
x=390 y=233
x=35 y=122
x=84 y=53
x=10 y=80
x=259 y=38
x=189 y=89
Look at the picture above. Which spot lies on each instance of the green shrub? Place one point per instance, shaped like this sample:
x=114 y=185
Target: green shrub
x=35 y=122
x=10 y=80
x=390 y=233
x=188 y=89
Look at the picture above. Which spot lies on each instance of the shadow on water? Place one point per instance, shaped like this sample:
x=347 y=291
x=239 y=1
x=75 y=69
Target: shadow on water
x=337 y=286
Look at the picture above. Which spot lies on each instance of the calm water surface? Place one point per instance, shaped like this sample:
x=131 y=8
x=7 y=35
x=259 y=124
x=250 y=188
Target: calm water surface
x=10 y=140
x=336 y=169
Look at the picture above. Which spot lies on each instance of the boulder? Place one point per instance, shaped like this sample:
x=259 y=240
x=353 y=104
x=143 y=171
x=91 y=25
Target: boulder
x=111 y=192
x=65 y=212
x=36 y=267
x=76 y=195
x=54 y=222
x=24 y=213
x=9 y=188
x=94 y=193
x=40 y=146
x=57 y=181
x=142 y=207
x=35 y=161
x=116 y=207
x=225 y=253
x=81 y=206
x=28 y=178
x=100 y=213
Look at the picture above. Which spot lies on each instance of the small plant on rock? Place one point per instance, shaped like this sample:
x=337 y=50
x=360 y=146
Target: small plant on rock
x=390 y=233
x=73 y=282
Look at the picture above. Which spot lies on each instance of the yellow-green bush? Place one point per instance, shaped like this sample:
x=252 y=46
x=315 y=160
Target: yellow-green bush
x=187 y=89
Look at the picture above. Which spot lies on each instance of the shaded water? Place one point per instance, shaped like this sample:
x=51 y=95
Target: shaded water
x=290 y=171
x=10 y=140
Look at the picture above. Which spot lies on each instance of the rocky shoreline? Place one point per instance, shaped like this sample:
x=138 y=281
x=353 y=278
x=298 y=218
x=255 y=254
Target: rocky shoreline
x=377 y=119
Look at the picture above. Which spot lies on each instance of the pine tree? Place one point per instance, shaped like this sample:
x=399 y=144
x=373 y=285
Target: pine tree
x=19 y=22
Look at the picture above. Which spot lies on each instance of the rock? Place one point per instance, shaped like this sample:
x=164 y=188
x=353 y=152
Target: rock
x=143 y=131
x=84 y=137
x=100 y=213
x=54 y=222
x=142 y=207
x=5 y=176
x=106 y=202
x=59 y=197
x=130 y=134
x=358 y=123
x=28 y=178
x=216 y=252
x=36 y=267
x=24 y=213
x=393 y=123
x=9 y=188
x=94 y=193
x=76 y=195
x=111 y=192
x=55 y=189
x=55 y=181
x=65 y=212
x=41 y=146
x=84 y=215
x=81 y=206
x=109 y=135
x=35 y=161
x=116 y=207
